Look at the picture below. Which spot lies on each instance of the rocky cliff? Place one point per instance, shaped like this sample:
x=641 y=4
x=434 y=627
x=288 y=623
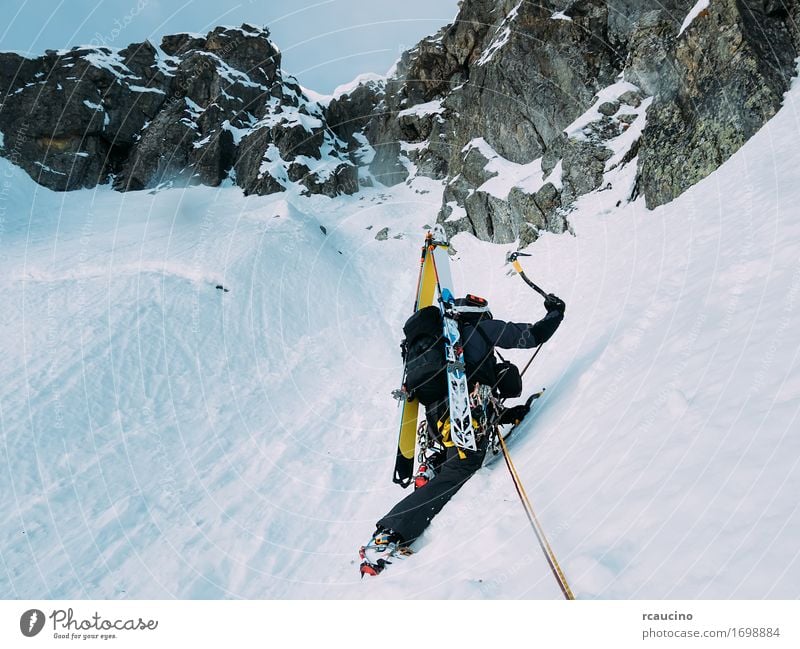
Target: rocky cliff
x=199 y=109
x=523 y=107
x=519 y=108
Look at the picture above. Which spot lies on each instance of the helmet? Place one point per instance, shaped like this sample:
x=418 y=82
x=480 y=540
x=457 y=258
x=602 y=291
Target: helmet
x=472 y=304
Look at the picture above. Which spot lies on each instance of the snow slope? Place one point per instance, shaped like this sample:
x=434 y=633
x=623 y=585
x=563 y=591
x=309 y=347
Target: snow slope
x=164 y=438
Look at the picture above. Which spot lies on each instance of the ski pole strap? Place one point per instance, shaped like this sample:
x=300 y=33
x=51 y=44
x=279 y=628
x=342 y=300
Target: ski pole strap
x=537 y=528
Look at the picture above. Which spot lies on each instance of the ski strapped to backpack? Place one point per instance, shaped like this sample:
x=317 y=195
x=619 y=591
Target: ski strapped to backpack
x=433 y=356
x=434 y=365
x=409 y=403
x=461 y=430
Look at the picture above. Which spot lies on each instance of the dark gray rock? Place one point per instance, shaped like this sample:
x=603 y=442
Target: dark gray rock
x=187 y=139
x=179 y=44
x=649 y=64
x=206 y=108
x=528 y=213
x=626 y=16
x=537 y=213
x=350 y=113
x=525 y=92
x=71 y=117
x=527 y=77
x=631 y=98
x=343 y=179
x=583 y=166
x=426 y=72
x=474 y=159
x=162 y=152
x=608 y=108
x=554 y=154
x=386 y=166
x=213 y=161
x=258 y=166
x=417 y=126
x=190 y=113
x=247 y=49
x=731 y=68
x=439 y=63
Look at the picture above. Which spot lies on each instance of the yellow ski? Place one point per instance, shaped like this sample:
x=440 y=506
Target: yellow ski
x=426 y=293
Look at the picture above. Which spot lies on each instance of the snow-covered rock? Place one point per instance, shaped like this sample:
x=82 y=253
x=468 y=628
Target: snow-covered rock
x=189 y=112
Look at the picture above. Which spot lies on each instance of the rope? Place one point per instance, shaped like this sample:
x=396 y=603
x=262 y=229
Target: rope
x=537 y=528
x=526 y=503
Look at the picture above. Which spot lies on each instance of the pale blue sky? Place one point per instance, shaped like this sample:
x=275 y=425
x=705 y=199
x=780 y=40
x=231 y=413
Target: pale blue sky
x=324 y=42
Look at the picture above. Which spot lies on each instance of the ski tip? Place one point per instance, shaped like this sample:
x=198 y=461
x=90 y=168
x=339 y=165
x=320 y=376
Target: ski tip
x=438 y=235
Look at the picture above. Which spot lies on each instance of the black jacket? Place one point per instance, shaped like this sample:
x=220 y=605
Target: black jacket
x=478 y=345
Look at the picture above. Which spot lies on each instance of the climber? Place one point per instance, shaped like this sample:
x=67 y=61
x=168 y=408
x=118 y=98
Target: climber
x=446 y=472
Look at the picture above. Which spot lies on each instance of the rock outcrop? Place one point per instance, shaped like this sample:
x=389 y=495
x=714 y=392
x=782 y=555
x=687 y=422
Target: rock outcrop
x=70 y=119
x=725 y=77
x=525 y=107
x=519 y=108
x=199 y=109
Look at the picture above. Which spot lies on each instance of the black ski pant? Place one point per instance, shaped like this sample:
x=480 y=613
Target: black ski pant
x=411 y=516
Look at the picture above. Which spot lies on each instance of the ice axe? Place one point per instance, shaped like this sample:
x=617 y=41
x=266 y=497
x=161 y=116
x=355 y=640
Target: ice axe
x=512 y=258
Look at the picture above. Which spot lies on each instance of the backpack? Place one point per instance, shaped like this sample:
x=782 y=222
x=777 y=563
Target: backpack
x=424 y=353
x=424 y=350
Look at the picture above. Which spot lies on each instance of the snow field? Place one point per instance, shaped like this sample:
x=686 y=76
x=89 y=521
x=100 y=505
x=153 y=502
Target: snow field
x=163 y=438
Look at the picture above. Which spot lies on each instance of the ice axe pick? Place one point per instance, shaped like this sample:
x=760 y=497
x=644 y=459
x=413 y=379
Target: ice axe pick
x=513 y=259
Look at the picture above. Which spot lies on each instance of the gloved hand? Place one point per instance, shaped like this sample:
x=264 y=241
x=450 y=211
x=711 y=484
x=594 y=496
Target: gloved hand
x=553 y=303
x=515 y=414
